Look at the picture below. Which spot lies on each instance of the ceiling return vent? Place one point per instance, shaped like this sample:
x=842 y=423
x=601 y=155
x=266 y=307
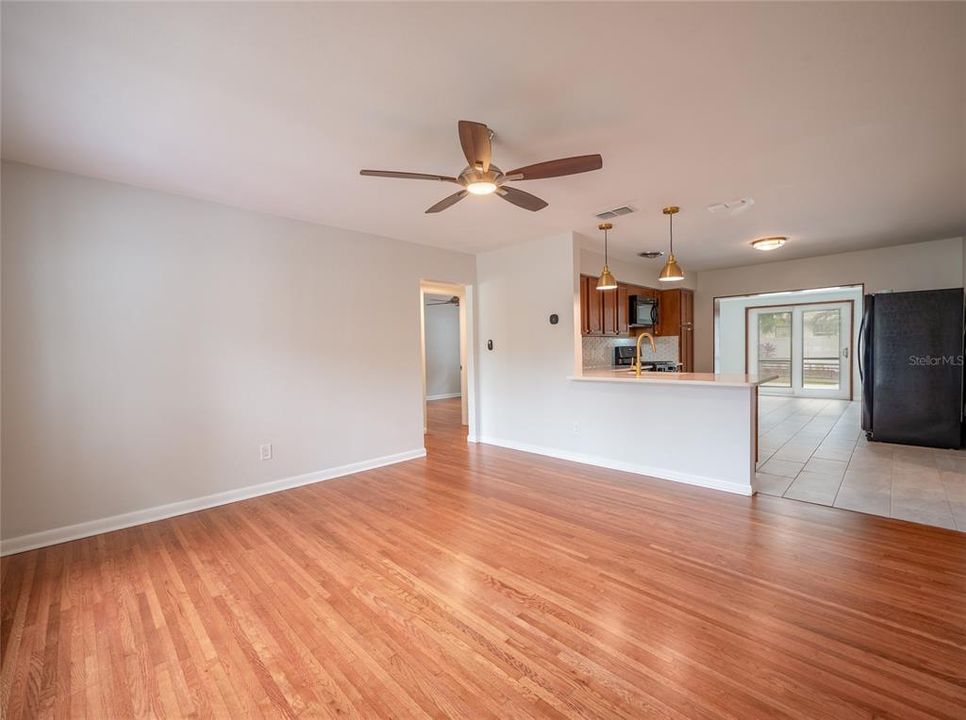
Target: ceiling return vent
x=616 y=212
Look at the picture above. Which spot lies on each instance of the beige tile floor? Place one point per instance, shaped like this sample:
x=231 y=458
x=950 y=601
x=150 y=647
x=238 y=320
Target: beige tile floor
x=814 y=450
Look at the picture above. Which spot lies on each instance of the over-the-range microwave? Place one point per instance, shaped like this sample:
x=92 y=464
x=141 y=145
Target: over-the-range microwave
x=642 y=311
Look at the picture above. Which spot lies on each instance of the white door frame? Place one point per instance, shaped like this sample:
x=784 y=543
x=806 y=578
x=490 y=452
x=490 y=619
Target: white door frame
x=467 y=364
x=846 y=349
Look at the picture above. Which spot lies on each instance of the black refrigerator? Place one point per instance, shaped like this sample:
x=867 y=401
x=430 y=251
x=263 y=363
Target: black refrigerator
x=911 y=367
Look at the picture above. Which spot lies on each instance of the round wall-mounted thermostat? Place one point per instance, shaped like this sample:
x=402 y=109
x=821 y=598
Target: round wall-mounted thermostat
x=554 y=319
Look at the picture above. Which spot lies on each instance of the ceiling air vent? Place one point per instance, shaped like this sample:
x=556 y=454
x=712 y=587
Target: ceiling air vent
x=616 y=212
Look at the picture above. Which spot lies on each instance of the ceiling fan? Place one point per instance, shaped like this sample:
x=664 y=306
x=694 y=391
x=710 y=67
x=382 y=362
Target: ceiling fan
x=481 y=177
x=454 y=300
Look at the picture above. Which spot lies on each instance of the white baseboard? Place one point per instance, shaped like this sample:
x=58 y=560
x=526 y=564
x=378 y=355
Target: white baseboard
x=160 y=512
x=446 y=396
x=655 y=472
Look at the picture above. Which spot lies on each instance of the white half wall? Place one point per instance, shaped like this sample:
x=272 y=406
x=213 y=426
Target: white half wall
x=151 y=343
x=918 y=266
x=694 y=434
x=442 y=350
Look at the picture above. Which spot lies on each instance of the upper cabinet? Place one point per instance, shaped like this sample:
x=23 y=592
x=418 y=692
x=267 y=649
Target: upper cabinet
x=606 y=313
x=591 y=306
x=610 y=311
x=677 y=318
x=670 y=308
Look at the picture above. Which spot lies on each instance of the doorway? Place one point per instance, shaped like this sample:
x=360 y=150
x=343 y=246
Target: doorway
x=807 y=345
x=445 y=331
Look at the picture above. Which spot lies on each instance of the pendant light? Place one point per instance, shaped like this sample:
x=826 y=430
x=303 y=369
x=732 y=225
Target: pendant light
x=671 y=270
x=606 y=280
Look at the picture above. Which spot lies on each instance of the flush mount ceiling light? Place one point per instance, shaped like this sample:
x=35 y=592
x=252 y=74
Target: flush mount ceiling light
x=671 y=270
x=606 y=280
x=769 y=243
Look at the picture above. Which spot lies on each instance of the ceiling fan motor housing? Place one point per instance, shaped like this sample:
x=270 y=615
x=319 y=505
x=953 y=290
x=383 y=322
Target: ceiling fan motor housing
x=475 y=175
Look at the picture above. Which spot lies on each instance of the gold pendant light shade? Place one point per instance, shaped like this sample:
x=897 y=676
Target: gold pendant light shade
x=671 y=270
x=606 y=281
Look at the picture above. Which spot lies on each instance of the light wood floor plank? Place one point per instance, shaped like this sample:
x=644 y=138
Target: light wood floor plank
x=487 y=583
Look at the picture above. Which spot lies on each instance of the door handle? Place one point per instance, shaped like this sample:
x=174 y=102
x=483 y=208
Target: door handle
x=845 y=352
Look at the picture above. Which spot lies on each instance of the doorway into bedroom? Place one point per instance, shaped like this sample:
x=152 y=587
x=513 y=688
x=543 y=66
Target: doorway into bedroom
x=445 y=359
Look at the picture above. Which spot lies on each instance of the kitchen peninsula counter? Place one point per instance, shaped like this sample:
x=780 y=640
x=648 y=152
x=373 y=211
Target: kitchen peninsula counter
x=695 y=428
x=623 y=375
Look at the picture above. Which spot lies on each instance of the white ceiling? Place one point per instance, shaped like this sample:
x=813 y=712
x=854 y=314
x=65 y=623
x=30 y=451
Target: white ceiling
x=845 y=122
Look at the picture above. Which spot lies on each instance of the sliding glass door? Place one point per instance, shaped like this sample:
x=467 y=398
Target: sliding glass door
x=808 y=347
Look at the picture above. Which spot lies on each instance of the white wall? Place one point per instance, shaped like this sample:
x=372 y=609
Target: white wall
x=442 y=350
x=731 y=332
x=151 y=343
x=522 y=380
x=920 y=266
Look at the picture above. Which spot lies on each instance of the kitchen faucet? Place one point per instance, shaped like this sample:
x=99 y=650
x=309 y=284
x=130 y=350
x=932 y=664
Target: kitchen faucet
x=637 y=367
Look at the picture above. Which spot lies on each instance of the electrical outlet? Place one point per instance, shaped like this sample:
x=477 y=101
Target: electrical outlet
x=265 y=452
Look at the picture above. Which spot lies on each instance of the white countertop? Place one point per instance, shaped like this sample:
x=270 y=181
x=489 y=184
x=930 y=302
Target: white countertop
x=623 y=375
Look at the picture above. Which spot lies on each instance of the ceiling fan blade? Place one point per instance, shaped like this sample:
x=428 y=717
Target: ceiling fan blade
x=556 y=168
x=407 y=175
x=475 y=139
x=447 y=201
x=522 y=199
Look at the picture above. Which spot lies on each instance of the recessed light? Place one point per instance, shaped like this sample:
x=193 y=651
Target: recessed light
x=651 y=254
x=769 y=243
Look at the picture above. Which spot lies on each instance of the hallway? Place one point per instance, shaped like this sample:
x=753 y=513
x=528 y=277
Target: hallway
x=444 y=431
x=813 y=450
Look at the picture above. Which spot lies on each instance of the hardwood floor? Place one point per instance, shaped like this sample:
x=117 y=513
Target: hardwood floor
x=487 y=583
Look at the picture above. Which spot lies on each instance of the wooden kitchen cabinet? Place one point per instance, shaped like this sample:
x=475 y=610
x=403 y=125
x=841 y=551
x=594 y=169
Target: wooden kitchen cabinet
x=677 y=318
x=610 y=311
x=599 y=309
x=670 y=309
x=686 y=342
x=591 y=307
x=584 y=307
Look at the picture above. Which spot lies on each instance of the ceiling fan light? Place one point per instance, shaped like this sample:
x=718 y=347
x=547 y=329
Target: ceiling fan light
x=606 y=281
x=481 y=188
x=671 y=271
x=769 y=243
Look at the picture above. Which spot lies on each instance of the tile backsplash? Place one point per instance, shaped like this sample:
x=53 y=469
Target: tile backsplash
x=599 y=351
